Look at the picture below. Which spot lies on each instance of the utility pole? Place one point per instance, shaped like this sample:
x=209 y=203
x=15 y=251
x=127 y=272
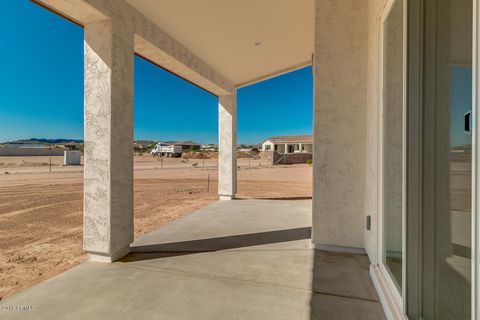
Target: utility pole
x=50 y=158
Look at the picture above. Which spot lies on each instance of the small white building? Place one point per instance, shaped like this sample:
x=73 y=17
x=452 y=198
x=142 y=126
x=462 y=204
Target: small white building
x=72 y=158
x=209 y=147
x=289 y=144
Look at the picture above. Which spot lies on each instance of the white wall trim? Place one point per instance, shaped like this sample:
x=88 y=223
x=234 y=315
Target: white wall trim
x=381 y=277
x=404 y=158
x=475 y=162
x=390 y=305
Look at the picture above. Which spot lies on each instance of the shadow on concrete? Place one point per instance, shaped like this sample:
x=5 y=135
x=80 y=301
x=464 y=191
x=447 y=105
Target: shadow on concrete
x=163 y=250
x=342 y=288
x=274 y=198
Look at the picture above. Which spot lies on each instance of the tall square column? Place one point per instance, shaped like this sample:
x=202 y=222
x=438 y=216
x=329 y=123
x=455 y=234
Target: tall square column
x=108 y=172
x=227 y=146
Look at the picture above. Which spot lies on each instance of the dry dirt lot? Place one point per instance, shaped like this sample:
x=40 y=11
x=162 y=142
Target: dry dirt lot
x=41 y=212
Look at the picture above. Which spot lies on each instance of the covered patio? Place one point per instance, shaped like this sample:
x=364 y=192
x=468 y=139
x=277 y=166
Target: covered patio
x=211 y=45
x=241 y=259
x=245 y=259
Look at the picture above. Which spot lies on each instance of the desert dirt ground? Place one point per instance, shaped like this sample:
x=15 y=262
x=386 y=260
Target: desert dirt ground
x=41 y=211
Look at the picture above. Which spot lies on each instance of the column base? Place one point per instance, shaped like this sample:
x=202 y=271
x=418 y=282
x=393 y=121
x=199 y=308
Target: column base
x=226 y=197
x=108 y=257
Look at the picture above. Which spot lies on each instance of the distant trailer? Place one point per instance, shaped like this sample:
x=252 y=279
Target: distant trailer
x=167 y=150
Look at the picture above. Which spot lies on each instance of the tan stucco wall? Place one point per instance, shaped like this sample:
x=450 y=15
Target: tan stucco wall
x=346 y=75
x=340 y=90
x=372 y=121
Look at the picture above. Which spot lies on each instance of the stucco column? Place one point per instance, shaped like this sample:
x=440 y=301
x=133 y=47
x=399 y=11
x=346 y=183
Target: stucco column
x=339 y=131
x=108 y=172
x=227 y=146
x=286 y=148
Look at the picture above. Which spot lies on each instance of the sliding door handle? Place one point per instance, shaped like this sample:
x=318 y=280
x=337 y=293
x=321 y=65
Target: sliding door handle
x=467 y=122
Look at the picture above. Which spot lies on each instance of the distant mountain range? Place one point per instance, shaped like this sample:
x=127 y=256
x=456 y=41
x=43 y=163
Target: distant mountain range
x=69 y=141
x=44 y=141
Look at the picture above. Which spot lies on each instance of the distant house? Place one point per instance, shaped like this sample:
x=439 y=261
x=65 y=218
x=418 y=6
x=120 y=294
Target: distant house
x=209 y=147
x=187 y=145
x=289 y=144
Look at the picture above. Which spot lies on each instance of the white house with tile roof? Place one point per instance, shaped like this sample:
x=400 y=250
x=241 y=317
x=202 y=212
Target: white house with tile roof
x=289 y=144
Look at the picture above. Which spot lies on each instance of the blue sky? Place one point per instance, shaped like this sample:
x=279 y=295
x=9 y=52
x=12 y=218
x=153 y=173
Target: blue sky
x=41 y=90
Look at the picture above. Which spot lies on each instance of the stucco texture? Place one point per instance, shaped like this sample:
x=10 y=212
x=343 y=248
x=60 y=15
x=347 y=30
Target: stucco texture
x=227 y=146
x=108 y=173
x=341 y=43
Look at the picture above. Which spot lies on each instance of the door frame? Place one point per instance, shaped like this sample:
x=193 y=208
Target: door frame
x=415 y=49
x=398 y=298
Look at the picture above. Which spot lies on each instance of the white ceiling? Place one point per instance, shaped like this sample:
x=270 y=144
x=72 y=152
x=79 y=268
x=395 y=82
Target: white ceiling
x=223 y=33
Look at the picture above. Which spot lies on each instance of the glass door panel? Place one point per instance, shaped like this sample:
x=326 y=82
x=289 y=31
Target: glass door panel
x=393 y=101
x=447 y=160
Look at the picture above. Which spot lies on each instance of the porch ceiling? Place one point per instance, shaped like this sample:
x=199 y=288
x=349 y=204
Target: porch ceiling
x=224 y=34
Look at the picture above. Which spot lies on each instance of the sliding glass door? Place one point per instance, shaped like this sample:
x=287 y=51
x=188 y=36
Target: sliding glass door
x=446 y=233
x=440 y=160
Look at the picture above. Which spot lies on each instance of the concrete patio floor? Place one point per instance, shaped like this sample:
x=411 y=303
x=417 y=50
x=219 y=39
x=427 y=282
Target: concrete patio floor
x=243 y=259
